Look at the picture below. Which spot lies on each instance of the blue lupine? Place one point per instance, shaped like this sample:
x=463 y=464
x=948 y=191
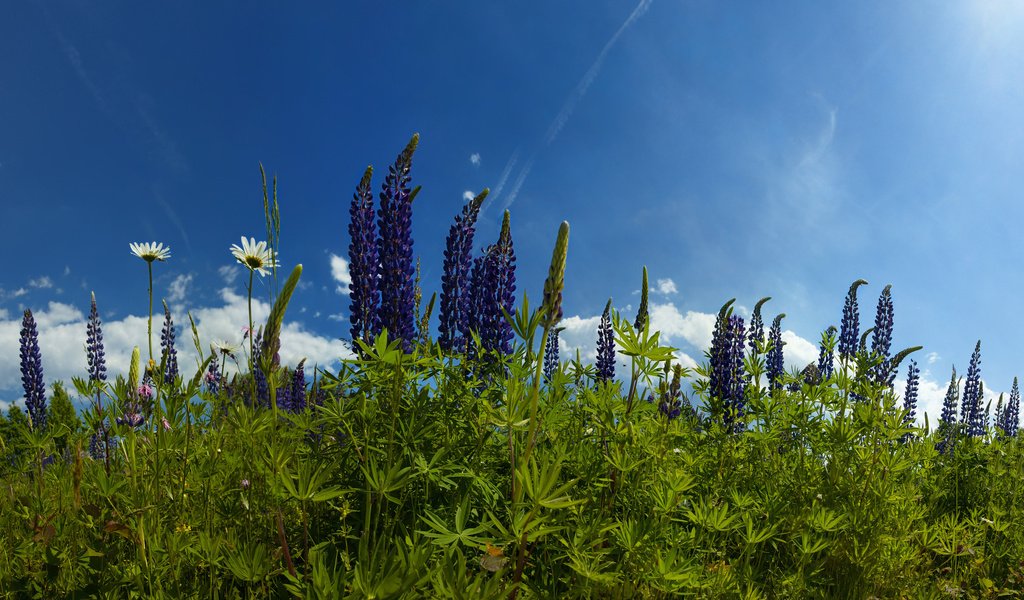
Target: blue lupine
x=455 y=285
x=971 y=412
x=292 y=397
x=825 y=363
x=262 y=388
x=477 y=299
x=849 y=329
x=394 y=219
x=32 y=372
x=605 y=346
x=363 y=264
x=551 y=354
x=910 y=395
x=727 y=379
x=881 y=336
x=755 y=337
x=94 y=353
x=169 y=355
x=1012 y=418
x=775 y=363
x=999 y=423
x=213 y=376
x=949 y=403
x=503 y=277
x=673 y=402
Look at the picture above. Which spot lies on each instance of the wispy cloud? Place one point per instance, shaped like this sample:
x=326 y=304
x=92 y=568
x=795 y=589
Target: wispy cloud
x=178 y=288
x=588 y=78
x=573 y=100
x=228 y=273
x=475 y=159
x=172 y=216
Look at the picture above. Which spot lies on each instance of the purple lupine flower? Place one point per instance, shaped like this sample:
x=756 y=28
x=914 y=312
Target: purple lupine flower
x=132 y=416
x=145 y=392
x=949 y=403
x=551 y=354
x=169 y=355
x=245 y=484
x=99 y=442
x=502 y=276
x=825 y=366
x=363 y=264
x=213 y=376
x=605 y=346
x=756 y=334
x=727 y=378
x=910 y=395
x=1012 y=418
x=477 y=300
x=394 y=244
x=94 y=353
x=455 y=285
x=881 y=337
x=262 y=389
x=775 y=362
x=32 y=372
x=673 y=402
x=292 y=397
x=970 y=410
x=849 y=329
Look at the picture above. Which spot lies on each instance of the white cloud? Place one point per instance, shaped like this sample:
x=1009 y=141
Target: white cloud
x=178 y=288
x=18 y=293
x=62 y=330
x=933 y=357
x=797 y=351
x=468 y=195
x=228 y=273
x=67 y=270
x=695 y=328
x=475 y=159
x=666 y=286
x=339 y=271
x=42 y=283
x=338 y=317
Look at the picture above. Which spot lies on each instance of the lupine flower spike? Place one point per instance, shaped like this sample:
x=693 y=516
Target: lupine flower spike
x=775 y=366
x=394 y=218
x=94 y=354
x=363 y=263
x=825 y=363
x=605 y=347
x=641 y=313
x=881 y=338
x=910 y=395
x=971 y=412
x=849 y=329
x=555 y=281
x=1012 y=418
x=551 y=354
x=32 y=372
x=453 y=332
x=169 y=355
x=756 y=335
x=727 y=381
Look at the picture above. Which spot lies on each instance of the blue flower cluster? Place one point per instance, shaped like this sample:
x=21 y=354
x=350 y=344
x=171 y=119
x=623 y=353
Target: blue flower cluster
x=775 y=366
x=455 y=299
x=94 y=354
x=169 y=355
x=605 y=346
x=32 y=372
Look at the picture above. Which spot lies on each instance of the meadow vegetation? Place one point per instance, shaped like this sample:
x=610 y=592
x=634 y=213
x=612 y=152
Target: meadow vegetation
x=460 y=458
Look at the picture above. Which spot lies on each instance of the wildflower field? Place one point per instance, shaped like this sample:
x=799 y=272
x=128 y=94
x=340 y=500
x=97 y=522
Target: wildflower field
x=459 y=456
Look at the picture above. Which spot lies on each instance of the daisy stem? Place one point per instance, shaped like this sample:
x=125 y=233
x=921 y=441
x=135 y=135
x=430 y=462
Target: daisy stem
x=149 y=327
x=252 y=363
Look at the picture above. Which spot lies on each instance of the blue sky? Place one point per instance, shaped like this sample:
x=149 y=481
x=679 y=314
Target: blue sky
x=737 y=151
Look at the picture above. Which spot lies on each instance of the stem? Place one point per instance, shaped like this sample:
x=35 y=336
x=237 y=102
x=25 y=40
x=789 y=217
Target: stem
x=252 y=363
x=149 y=326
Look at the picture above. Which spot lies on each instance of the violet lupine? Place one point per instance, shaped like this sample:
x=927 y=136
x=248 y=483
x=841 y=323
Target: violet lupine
x=169 y=355
x=673 y=402
x=727 y=379
x=502 y=275
x=1012 y=418
x=551 y=354
x=363 y=263
x=262 y=388
x=292 y=398
x=394 y=244
x=910 y=395
x=825 y=363
x=755 y=337
x=94 y=353
x=476 y=300
x=32 y=372
x=455 y=284
x=213 y=376
x=775 y=363
x=970 y=410
x=881 y=336
x=605 y=346
x=849 y=329
x=949 y=403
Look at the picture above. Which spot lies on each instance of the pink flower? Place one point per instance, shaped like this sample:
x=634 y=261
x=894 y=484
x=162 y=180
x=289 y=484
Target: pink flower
x=167 y=425
x=146 y=391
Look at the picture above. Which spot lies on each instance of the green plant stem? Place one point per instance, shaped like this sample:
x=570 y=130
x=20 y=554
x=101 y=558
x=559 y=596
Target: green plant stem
x=149 y=326
x=252 y=362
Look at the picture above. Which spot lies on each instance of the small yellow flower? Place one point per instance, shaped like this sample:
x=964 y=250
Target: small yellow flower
x=183 y=528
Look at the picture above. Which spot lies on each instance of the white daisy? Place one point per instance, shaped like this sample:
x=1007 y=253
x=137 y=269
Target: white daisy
x=254 y=256
x=150 y=251
x=222 y=347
